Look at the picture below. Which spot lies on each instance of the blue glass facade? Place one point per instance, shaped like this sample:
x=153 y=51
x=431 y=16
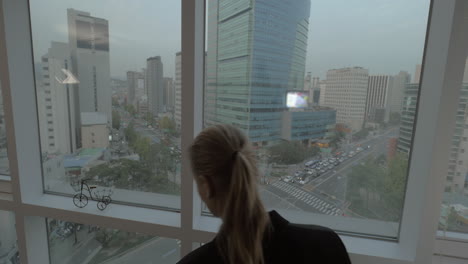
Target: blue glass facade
x=256 y=52
x=311 y=125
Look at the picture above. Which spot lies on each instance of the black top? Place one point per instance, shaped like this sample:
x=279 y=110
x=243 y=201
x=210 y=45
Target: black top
x=289 y=243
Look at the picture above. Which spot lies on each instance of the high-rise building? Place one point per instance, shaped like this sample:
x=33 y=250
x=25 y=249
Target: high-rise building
x=417 y=74
x=395 y=93
x=56 y=102
x=178 y=90
x=322 y=87
x=88 y=38
x=250 y=68
x=408 y=113
x=155 y=85
x=135 y=82
x=377 y=97
x=346 y=92
x=170 y=93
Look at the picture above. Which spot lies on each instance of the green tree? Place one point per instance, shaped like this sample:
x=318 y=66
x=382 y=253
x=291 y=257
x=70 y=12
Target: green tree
x=104 y=236
x=131 y=134
x=336 y=138
x=115 y=119
x=288 y=152
x=166 y=123
x=362 y=134
x=115 y=101
x=130 y=109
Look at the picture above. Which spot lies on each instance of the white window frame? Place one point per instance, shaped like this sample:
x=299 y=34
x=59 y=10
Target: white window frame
x=441 y=79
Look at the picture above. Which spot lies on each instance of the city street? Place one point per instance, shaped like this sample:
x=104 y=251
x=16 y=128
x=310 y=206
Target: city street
x=326 y=193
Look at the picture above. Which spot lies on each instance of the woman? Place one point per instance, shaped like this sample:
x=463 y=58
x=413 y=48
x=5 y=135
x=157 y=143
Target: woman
x=225 y=170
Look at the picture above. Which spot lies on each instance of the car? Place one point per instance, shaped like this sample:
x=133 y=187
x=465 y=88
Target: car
x=325 y=164
x=330 y=167
x=302 y=182
x=287 y=179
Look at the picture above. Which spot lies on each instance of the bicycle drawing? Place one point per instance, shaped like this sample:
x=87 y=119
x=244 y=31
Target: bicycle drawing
x=81 y=199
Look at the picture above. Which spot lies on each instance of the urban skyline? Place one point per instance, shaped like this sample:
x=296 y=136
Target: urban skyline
x=323 y=54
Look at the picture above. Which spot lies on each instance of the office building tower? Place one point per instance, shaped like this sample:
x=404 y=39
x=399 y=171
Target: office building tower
x=170 y=93
x=135 y=82
x=178 y=90
x=155 y=85
x=346 y=92
x=417 y=74
x=250 y=68
x=395 y=93
x=322 y=87
x=377 y=98
x=315 y=91
x=88 y=38
x=408 y=113
x=56 y=102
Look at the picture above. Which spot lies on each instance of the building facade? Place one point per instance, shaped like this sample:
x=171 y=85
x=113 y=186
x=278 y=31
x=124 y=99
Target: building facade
x=135 y=82
x=256 y=53
x=408 y=113
x=155 y=85
x=308 y=125
x=346 y=91
x=377 y=97
x=395 y=93
x=56 y=102
x=178 y=90
x=94 y=130
x=170 y=94
x=88 y=38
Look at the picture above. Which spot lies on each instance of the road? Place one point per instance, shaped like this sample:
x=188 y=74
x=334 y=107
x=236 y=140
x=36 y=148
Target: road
x=326 y=193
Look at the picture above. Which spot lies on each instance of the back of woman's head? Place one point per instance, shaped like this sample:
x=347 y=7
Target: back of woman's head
x=222 y=154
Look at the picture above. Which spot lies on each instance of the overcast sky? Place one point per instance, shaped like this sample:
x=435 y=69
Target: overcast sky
x=384 y=36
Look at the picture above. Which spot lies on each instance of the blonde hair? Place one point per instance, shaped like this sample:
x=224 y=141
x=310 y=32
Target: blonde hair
x=223 y=154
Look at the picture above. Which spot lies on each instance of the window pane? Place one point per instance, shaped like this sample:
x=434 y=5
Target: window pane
x=4 y=165
x=106 y=98
x=8 y=247
x=326 y=96
x=73 y=243
x=454 y=212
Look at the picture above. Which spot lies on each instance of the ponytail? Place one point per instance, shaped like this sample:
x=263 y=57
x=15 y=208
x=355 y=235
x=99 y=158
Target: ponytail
x=223 y=153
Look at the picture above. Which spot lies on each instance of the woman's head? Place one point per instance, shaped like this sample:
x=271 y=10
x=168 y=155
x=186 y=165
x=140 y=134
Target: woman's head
x=226 y=174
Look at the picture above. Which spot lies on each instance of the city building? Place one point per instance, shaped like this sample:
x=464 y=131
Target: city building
x=247 y=80
x=178 y=90
x=169 y=91
x=308 y=125
x=88 y=38
x=155 y=85
x=322 y=88
x=395 y=93
x=417 y=74
x=377 y=98
x=408 y=113
x=56 y=102
x=94 y=130
x=136 y=86
x=346 y=91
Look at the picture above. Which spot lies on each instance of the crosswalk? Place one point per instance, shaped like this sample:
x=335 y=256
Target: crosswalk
x=310 y=199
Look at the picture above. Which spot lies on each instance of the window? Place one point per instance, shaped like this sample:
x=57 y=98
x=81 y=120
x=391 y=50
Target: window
x=343 y=156
x=4 y=163
x=139 y=212
x=111 y=118
x=8 y=246
x=78 y=243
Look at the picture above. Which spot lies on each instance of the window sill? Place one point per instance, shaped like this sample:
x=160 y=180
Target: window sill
x=115 y=215
x=451 y=244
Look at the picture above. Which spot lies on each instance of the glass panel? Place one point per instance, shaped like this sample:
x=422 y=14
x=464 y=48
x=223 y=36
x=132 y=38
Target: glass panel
x=4 y=164
x=8 y=247
x=325 y=95
x=454 y=212
x=72 y=243
x=106 y=98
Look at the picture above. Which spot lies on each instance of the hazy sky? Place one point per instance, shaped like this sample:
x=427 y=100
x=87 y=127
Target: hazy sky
x=384 y=36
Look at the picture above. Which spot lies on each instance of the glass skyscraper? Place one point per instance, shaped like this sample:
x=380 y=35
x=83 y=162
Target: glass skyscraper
x=256 y=53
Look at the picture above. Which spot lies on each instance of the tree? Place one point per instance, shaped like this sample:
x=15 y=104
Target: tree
x=130 y=133
x=130 y=109
x=288 y=152
x=115 y=119
x=104 y=236
x=336 y=138
x=362 y=134
x=115 y=101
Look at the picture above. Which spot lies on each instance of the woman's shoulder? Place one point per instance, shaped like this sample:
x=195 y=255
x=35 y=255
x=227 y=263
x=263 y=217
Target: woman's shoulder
x=207 y=253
